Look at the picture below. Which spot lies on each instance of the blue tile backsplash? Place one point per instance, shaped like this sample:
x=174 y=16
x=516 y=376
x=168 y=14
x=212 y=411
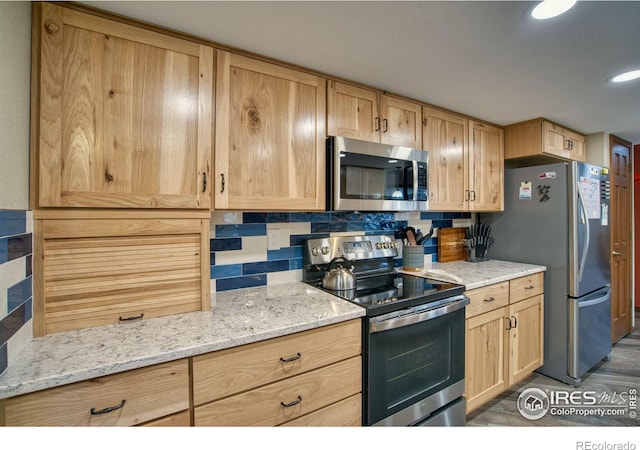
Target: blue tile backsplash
x=16 y=249
x=242 y=257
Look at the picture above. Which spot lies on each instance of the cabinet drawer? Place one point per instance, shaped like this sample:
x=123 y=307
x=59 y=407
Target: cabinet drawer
x=487 y=298
x=525 y=287
x=226 y=372
x=145 y=394
x=265 y=406
x=181 y=419
x=345 y=413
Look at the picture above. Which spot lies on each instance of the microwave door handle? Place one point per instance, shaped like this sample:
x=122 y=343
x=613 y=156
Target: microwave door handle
x=415 y=180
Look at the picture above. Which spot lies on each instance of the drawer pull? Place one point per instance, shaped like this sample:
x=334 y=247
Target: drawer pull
x=125 y=319
x=107 y=410
x=293 y=403
x=490 y=299
x=291 y=359
x=529 y=287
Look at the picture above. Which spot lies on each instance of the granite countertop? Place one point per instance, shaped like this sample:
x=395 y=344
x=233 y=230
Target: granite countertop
x=239 y=317
x=478 y=274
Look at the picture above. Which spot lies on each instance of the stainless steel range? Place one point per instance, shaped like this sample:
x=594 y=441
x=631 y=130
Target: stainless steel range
x=413 y=332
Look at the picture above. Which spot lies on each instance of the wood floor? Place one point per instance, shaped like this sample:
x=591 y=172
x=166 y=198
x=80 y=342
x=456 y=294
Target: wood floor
x=621 y=374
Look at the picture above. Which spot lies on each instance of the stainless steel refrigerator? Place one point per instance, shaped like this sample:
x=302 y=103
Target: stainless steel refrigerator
x=557 y=215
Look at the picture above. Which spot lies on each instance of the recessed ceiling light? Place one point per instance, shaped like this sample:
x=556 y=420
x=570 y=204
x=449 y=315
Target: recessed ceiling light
x=627 y=76
x=551 y=8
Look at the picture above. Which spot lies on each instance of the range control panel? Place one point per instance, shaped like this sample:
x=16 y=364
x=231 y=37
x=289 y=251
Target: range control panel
x=322 y=251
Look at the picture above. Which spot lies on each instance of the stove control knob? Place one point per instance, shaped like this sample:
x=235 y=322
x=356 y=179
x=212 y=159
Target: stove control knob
x=325 y=250
x=385 y=245
x=314 y=251
x=378 y=245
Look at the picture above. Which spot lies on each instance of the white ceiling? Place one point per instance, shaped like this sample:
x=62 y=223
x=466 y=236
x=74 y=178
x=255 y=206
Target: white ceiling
x=489 y=60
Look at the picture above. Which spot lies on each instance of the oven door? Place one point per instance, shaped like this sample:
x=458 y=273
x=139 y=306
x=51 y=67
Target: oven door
x=415 y=362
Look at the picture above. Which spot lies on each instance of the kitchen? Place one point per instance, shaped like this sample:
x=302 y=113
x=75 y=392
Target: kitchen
x=276 y=235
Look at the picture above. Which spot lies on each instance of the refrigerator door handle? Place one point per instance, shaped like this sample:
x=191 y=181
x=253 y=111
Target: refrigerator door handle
x=585 y=246
x=595 y=301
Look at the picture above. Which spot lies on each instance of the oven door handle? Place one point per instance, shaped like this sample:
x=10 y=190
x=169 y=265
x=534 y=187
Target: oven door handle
x=402 y=320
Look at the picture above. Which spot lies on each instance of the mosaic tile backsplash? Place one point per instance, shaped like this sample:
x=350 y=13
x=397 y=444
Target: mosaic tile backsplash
x=261 y=248
x=15 y=282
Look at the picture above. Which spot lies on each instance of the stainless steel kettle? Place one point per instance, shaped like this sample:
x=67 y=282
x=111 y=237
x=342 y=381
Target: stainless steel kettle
x=339 y=275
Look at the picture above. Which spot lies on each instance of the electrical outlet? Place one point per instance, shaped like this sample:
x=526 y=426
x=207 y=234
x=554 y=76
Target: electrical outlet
x=273 y=239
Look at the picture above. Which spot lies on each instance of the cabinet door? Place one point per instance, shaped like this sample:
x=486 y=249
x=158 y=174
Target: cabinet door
x=526 y=337
x=576 y=145
x=95 y=272
x=486 y=172
x=444 y=137
x=352 y=112
x=125 y=115
x=270 y=136
x=401 y=122
x=485 y=357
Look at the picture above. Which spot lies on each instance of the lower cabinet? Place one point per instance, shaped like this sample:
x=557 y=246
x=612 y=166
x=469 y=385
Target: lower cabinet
x=123 y=399
x=504 y=337
x=310 y=378
x=181 y=419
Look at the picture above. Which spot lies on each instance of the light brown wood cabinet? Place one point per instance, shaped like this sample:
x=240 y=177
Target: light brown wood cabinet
x=540 y=137
x=504 y=337
x=102 y=271
x=368 y=115
x=270 y=136
x=313 y=378
x=123 y=399
x=466 y=168
x=123 y=115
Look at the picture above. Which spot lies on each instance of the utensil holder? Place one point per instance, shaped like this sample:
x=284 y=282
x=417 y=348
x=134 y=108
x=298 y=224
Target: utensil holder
x=472 y=251
x=413 y=258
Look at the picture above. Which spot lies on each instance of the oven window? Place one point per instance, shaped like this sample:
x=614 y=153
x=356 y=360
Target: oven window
x=410 y=363
x=366 y=177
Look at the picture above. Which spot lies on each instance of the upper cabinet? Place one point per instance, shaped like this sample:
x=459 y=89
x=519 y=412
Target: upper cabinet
x=542 y=137
x=445 y=138
x=124 y=115
x=368 y=115
x=270 y=136
x=486 y=167
x=466 y=168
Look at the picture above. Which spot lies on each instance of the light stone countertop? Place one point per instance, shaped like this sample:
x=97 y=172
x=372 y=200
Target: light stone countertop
x=478 y=274
x=239 y=317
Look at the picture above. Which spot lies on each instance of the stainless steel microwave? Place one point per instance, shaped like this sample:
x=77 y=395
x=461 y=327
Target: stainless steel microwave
x=366 y=176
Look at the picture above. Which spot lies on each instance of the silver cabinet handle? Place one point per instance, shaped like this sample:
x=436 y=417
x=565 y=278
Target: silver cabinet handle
x=614 y=253
x=490 y=299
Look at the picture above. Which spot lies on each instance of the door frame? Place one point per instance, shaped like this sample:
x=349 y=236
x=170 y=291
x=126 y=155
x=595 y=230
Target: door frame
x=635 y=162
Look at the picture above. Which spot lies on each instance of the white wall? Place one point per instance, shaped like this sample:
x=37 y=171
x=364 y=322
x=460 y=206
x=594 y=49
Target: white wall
x=15 y=72
x=597 y=148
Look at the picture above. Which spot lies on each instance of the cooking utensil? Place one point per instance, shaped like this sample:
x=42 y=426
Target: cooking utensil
x=339 y=275
x=424 y=239
x=411 y=236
